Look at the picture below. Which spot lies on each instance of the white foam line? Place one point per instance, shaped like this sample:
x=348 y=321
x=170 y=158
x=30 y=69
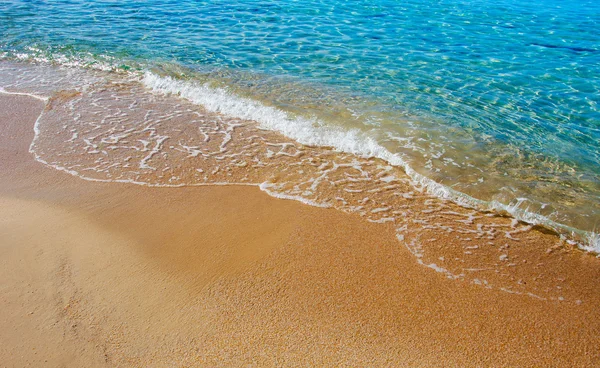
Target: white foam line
x=506 y=290
x=42 y=98
x=316 y=133
x=265 y=188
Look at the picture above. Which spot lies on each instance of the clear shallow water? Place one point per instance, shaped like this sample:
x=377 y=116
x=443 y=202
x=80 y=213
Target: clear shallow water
x=497 y=101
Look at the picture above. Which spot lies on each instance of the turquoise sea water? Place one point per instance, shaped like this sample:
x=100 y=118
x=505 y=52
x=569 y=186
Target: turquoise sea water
x=498 y=100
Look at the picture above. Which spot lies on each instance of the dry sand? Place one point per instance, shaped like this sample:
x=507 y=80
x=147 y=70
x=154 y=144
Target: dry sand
x=104 y=274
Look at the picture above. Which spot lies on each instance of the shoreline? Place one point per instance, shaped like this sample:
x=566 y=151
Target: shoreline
x=155 y=144
x=218 y=102
x=124 y=274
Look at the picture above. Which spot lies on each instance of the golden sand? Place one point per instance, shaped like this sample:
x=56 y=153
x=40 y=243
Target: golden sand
x=107 y=274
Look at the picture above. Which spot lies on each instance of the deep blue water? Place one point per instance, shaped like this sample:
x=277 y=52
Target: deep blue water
x=497 y=99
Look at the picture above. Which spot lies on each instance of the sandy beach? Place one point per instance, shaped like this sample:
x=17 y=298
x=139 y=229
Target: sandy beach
x=107 y=274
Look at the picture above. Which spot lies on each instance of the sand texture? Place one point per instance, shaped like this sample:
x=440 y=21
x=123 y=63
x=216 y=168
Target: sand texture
x=106 y=274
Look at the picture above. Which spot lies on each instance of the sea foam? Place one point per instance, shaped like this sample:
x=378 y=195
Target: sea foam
x=313 y=132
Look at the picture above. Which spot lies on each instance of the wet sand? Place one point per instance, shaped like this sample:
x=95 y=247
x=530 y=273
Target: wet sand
x=108 y=274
